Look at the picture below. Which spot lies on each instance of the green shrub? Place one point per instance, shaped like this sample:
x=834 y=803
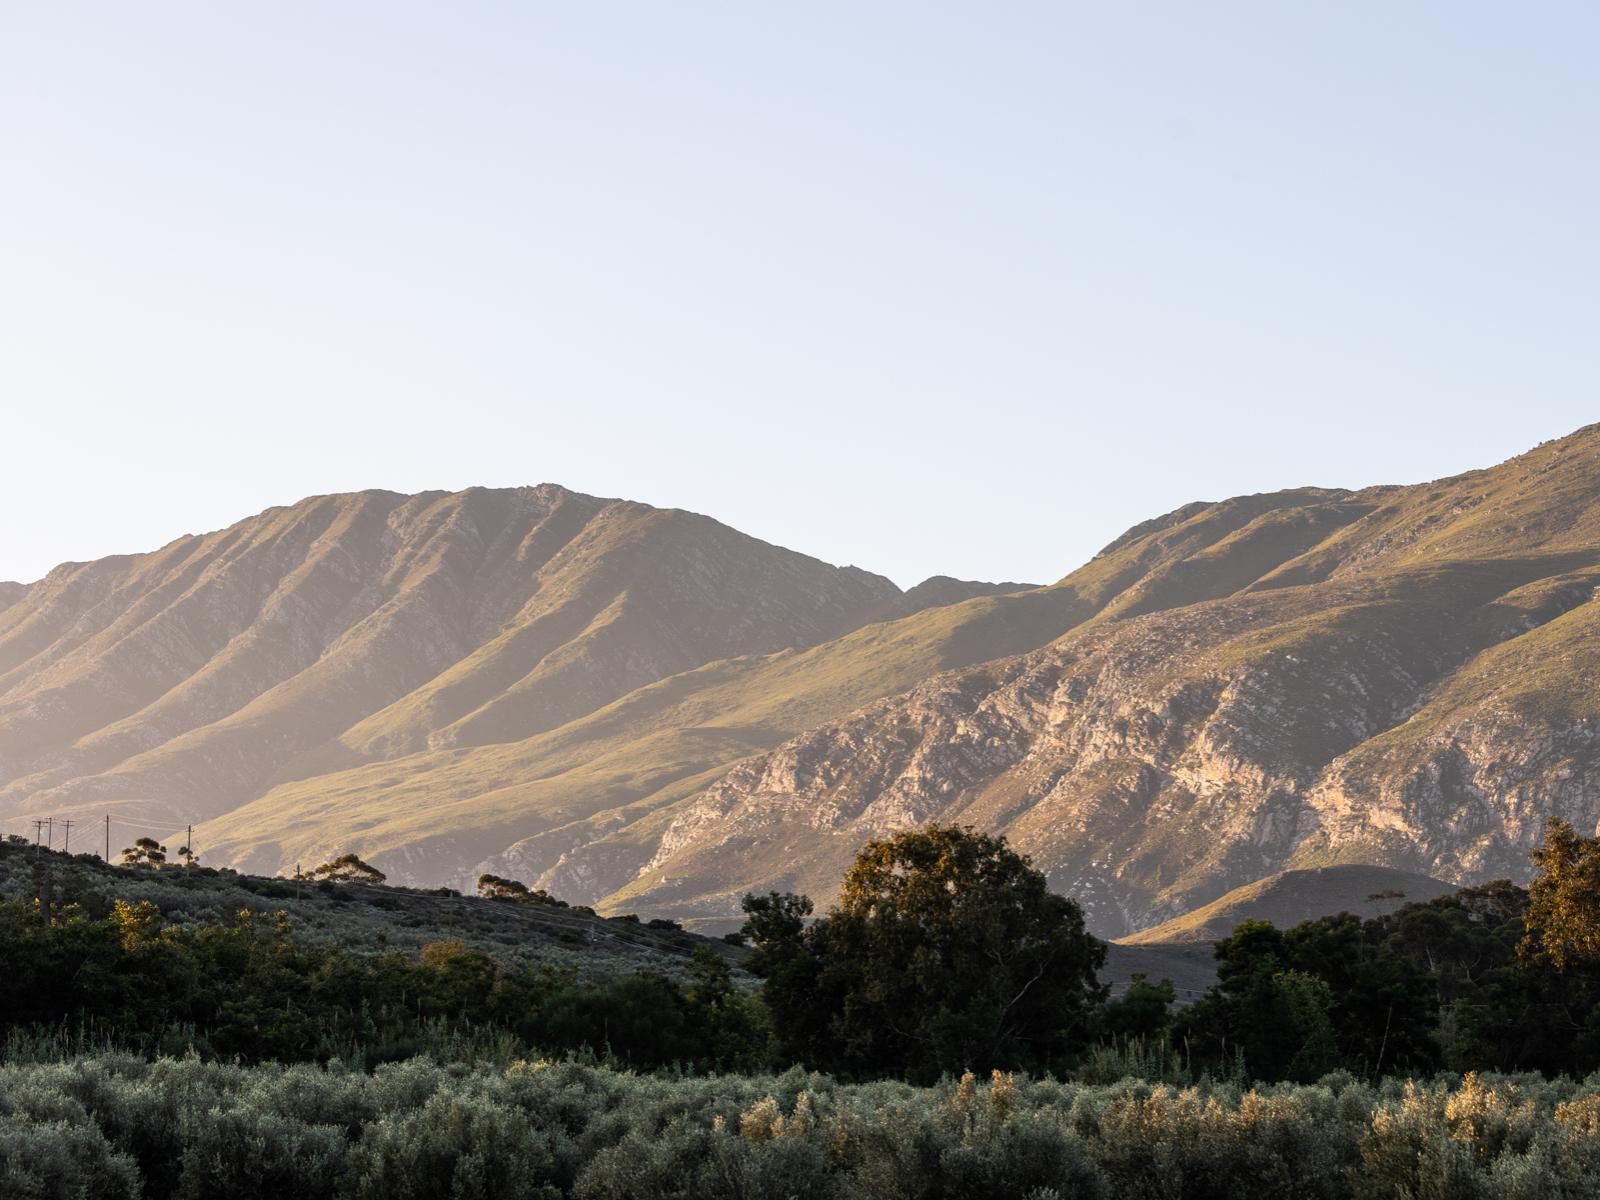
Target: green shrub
x=455 y=1147
x=62 y=1160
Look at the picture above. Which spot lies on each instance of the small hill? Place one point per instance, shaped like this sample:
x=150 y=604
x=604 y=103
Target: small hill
x=1290 y=897
x=370 y=919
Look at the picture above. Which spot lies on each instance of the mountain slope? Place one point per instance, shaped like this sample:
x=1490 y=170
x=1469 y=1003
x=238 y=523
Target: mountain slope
x=176 y=685
x=1289 y=897
x=1394 y=676
x=647 y=710
x=582 y=809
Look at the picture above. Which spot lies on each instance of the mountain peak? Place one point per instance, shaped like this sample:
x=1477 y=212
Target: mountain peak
x=171 y=685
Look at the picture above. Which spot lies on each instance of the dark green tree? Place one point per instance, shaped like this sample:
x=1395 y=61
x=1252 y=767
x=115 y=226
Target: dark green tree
x=146 y=852
x=497 y=887
x=946 y=952
x=1143 y=1011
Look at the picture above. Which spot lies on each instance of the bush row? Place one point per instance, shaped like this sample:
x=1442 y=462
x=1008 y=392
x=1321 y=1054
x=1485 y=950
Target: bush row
x=117 y=1126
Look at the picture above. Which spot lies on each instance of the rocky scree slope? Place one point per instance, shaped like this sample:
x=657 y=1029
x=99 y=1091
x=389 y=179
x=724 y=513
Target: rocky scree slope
x=1396 y=676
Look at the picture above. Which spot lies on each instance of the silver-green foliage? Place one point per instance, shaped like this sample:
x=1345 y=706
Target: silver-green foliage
x=116 y=1126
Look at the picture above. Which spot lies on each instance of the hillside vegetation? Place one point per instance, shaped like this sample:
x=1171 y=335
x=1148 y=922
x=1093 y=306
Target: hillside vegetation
x=364 y=919
x=1290 y=897
x=309 y=1071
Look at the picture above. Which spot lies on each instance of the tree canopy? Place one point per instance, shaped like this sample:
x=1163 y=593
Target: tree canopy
x=498 y=887
x=1564 y=899
x=347 y=868
x=146 y=852
x=946 y=952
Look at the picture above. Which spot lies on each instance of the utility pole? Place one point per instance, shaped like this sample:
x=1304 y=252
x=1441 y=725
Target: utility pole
x=108 y=839
x=49 y=833
x=67 y=825
x=38 y=831
x=188 y=848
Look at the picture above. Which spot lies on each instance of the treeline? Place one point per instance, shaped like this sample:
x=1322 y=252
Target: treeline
x=117 y=1128
x=946 y=952
x=1447 y=984
x=1494 y=978
x=248 y=989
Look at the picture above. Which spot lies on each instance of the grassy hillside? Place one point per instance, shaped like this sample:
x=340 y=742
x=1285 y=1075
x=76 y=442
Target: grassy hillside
x=644 y=709
x=365 y=919
x=173 y=686
x=1289 y=897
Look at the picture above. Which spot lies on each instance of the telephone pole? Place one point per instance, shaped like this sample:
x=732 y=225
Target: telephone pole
x=49 y=833
x=38 y=831
x=108 y=839
x=66 y=846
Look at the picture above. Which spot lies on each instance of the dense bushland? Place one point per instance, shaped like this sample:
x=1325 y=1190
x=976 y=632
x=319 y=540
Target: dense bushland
x=1462 y=982
x=247 y=989
x=946 y=952
x=145 y=1056
x=116 y=1126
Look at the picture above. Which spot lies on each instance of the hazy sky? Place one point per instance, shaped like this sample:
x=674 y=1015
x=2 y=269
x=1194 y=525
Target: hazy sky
x=927 y=288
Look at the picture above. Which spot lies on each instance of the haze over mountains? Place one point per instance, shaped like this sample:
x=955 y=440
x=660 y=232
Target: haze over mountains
x=648 y=710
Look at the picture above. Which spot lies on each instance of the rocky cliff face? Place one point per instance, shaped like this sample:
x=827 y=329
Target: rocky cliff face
x=1395 y=676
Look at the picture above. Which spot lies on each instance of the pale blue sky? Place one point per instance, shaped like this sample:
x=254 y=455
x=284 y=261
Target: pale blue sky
x=927 y=288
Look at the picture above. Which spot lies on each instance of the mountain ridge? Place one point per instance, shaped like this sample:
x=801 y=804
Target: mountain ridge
x=645 y=709
x=260 y=641
x=1220 y=719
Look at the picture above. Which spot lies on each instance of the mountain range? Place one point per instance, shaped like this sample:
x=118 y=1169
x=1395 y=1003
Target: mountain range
x=647 y=710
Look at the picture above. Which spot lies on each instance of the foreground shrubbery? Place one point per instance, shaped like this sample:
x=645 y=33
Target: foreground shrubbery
x=115 y=1126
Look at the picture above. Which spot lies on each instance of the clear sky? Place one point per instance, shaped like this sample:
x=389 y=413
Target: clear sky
x=927 y=288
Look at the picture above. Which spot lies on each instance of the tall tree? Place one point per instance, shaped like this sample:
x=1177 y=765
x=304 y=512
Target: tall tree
x=146 y=852
x=347 y=868
x=1563 y=918
x=946 y=952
